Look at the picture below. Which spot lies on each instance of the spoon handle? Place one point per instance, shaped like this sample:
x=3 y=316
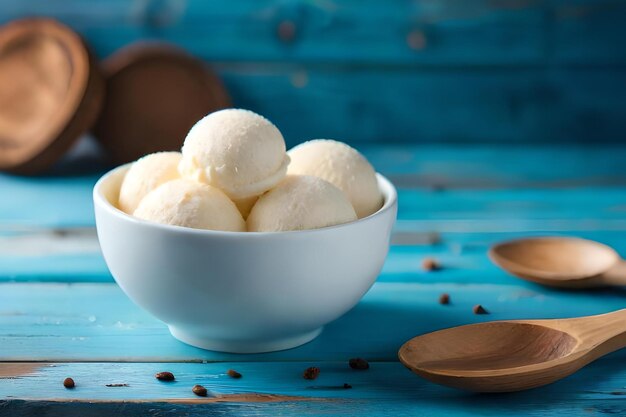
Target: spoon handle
x=603 y=333
x=615 y=276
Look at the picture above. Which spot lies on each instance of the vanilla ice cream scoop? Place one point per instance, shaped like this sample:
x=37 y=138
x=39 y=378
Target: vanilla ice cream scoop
x=237 y=151
x=146 y=174
x=299 y=203
x=188 y=203
x=342 y=166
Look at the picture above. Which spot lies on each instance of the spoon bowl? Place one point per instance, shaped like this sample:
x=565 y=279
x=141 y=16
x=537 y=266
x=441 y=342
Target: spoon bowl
x=506 y=356
x=560 y=262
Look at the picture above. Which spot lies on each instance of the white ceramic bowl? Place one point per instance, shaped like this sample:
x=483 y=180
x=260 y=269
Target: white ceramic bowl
x=242 y=292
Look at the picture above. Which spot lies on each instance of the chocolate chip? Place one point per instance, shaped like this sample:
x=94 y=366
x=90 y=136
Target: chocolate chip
x=68 y=383
x=164 y=376
x=444 y=299
x=311 y=373
x=233 y=374
x=478 y=309
x=199 y=390
x=359 y=364
x=430 y=264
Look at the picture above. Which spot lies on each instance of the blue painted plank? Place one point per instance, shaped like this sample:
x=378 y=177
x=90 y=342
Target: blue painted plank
x=386 y=389
x=463 y=258
x=498 y=166
x=410 y=407
x=483 y=71
x=65 y=200
x=45 y=201
x=433 y=105
x=589 y=32
x=43 y=238
x=442 y=33
x=463 y=254
x=26 y=214
x=97 y=322
x=459 y=237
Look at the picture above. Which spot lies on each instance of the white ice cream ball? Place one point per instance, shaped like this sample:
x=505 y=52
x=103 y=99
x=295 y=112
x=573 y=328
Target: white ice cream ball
x=146 y=174
x=343 y=166
x=300 y=203
x=237 y=151
x=191 y=204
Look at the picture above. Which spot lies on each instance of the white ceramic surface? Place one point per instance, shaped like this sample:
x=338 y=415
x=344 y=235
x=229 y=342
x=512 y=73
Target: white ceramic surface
x=242 y=292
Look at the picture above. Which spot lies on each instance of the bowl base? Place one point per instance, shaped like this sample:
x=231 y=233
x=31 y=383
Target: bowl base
x=244 y=345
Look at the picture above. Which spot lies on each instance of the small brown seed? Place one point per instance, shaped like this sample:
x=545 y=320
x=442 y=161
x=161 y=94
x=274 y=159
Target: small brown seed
x=347 y=386
x=478 y=309
x=430 y=264
x=164 y=376
x=199 y=390
x=359 y=364
x=68 y=383
x=233 y=374
x=311 y=373
x=444 y=299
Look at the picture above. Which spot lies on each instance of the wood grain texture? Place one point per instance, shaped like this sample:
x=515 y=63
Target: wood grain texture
x=345 y=31
x=445 y=32
x=357 y=105
x=385 y=389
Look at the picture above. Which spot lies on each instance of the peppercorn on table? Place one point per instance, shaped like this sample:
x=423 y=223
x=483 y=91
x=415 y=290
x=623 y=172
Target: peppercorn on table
x=62 y=315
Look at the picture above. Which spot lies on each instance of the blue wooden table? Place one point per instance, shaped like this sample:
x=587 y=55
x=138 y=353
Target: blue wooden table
x=61 y=314
x=520 y=111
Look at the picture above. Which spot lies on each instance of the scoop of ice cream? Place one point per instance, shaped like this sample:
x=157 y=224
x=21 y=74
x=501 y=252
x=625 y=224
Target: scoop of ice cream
x=237 y=151
x=342 y=166
x=191 y=204
x=299 y=203
x=146 y=174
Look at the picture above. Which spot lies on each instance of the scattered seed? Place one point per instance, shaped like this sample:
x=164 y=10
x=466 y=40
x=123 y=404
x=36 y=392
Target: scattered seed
x=199 y=390
x=164 y=376
x=68 y=383
x=311 y=373
x=233 y=374
x=116 y=385
x=444 y=299
x=430 y=264
x=347 y=386
x=359 y=364
x=478 y=309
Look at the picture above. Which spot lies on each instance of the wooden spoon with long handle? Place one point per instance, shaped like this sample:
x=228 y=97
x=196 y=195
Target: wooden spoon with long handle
x=561 y=262
x=504 y=356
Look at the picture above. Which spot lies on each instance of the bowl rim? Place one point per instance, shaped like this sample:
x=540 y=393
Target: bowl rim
x=389 y=192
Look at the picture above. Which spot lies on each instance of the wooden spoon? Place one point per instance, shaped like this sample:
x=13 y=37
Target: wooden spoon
x=505 y=356
x=561 y=262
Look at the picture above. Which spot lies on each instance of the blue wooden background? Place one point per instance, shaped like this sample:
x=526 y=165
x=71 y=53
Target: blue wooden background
x=497 y=71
